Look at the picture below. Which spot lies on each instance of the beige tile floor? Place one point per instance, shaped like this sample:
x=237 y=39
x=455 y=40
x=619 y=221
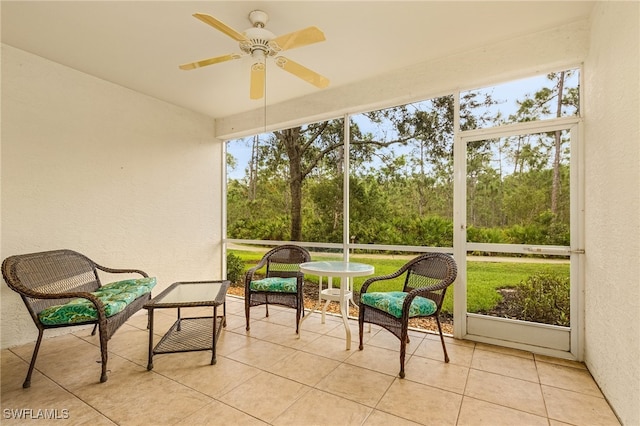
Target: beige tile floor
x=269 y=376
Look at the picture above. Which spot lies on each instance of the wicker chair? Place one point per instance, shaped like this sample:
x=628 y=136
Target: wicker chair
x=280 y=262
x=425 y=284
x=47 y=279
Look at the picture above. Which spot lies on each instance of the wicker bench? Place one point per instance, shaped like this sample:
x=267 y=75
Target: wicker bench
x=61 y=288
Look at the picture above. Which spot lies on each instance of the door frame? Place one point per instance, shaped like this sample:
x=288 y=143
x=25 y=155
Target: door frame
x=564 y=342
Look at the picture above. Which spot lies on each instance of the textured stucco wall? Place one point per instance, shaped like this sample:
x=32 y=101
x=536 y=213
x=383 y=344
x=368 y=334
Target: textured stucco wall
x=126 y=179
x=612 y=200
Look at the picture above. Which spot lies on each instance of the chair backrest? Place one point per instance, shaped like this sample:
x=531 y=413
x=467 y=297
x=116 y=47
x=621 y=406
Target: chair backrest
x=50 y=272
x=284 y=261
x=431 y=269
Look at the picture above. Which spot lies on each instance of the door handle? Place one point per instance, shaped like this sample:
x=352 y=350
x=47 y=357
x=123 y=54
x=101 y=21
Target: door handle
x=560 y=251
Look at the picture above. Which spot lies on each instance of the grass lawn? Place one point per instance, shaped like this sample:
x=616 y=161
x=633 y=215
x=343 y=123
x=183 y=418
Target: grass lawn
x=483 y=278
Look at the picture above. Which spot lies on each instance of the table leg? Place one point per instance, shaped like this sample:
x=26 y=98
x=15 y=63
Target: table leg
x=347 y=329
x=224 y=313
x=150 y=325
x=326 y=304
x=304 y=317
x=324 y=309
x=351 y=298
x=344 y=309
x=213 y=337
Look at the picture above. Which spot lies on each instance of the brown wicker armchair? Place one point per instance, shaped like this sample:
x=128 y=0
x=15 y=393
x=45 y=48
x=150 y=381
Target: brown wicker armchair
x=278 y=286
x=425 y=284
x=48 y=280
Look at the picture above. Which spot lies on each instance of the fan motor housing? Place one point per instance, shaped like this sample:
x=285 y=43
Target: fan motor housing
x=259 y=39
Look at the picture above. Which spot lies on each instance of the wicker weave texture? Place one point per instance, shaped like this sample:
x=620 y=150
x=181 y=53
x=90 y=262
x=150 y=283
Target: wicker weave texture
x=282 y=261
x=189 y=334
x=54 y=277
x=428 y=275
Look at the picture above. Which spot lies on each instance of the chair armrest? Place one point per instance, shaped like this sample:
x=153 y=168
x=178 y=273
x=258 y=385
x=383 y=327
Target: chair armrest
x=428 y=293
x=261 y=264
x=121 y=271
x=371 y=280
x=248 y=277
x=25 y=292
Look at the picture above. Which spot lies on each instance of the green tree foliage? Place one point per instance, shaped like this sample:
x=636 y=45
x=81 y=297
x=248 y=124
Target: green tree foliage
x=324 y=217
x=401 y=176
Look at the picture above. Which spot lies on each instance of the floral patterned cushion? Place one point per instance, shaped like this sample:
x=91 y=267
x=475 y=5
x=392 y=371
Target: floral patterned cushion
x=276 y=284
x=115 y=296
x=391 y=302
x=139 y=286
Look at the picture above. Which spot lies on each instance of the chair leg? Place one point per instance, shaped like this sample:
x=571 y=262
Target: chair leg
x=95 y=327
x=103 y=352
x=361 y=325
x=247 y=304
x=403 y=349
x=444 y=348
x=27 y=380
x=266 y=304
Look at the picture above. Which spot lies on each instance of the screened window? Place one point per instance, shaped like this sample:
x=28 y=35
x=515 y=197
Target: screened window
x=287 y=185
x=401 y=175
x=541 y=97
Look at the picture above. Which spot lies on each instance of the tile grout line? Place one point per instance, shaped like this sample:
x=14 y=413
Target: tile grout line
x=466 y=382
x=544 y=400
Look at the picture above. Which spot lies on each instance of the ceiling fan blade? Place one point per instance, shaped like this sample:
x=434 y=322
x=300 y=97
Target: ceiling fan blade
x=302 y=72
x=298 y=38
x=220 y=26
x=256 y=90
x=210 y=61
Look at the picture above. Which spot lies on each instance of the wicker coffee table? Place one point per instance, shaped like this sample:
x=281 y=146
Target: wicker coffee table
x=189 y=334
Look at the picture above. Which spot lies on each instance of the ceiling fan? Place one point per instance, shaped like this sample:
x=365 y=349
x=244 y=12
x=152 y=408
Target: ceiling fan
x=261 y=44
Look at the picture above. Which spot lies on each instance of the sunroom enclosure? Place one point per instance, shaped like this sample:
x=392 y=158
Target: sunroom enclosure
x=146 y=188
x=407 y=193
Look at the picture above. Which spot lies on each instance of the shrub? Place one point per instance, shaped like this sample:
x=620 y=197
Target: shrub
x=485 y=235
x=544 y=298
x=235 y=268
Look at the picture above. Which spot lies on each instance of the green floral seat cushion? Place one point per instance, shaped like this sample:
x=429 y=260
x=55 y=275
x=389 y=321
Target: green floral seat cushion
x=391 y=303
x=139 y=286
x=275 y=284
x=115 y=296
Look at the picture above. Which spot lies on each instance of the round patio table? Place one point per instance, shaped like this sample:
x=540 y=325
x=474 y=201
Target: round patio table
x=339 y=269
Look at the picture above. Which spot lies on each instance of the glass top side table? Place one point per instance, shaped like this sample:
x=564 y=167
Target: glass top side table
x=345 y=271
x=189 y=334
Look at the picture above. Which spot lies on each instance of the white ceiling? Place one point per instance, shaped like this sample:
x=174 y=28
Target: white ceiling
x=139 y=44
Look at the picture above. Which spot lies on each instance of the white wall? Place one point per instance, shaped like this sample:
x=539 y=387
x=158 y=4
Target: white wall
x=126 y=179
x=612 y=205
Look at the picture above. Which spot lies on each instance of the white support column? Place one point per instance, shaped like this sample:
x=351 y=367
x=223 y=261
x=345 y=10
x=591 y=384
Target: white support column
x=345 y=190
x=459 y=224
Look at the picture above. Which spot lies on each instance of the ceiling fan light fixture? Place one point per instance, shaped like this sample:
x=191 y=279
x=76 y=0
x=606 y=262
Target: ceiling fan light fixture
x=258 y=55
